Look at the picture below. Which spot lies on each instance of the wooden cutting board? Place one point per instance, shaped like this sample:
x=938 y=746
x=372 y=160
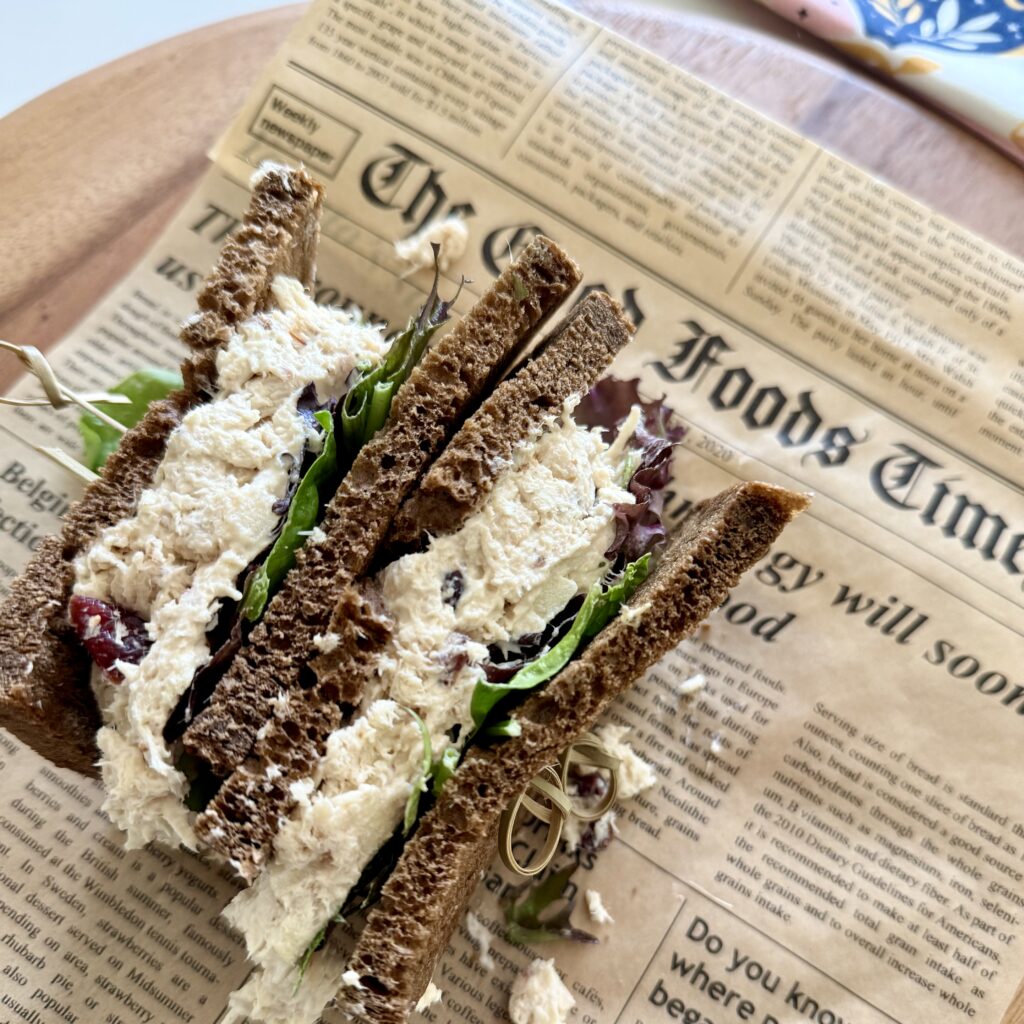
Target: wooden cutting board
x=94 y=169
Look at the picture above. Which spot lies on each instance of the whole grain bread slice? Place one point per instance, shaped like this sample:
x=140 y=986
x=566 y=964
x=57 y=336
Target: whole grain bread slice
x=440 y=867
x=441 y=392
x=568 y=363
x=243 y=818
x=45 y=696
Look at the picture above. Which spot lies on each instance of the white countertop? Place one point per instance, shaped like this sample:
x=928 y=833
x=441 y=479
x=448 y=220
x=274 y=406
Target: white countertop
x=46 y=42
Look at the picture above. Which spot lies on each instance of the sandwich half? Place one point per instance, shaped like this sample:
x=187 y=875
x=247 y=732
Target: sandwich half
x=426 y=894
x=243 y=818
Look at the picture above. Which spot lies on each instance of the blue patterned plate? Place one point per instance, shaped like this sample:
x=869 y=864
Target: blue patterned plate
x=978 y=26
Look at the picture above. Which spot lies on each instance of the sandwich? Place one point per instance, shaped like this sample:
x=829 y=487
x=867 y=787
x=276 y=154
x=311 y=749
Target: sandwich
x=194 y=519
x=482 y=574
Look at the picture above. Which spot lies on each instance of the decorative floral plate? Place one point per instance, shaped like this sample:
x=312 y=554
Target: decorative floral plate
x=980 y=26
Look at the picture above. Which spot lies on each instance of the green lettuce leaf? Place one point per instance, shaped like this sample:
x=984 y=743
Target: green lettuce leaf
x=368 y=403
x=529 y=921
x=143 y=387
x=597 y=610
x=502 y=730
x=419 y=784
x=299 y=520
x=444 y=768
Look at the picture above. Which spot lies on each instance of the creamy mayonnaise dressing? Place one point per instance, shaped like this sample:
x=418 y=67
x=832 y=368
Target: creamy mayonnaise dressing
x=207 y=514
x=272 y=996
x=537 y=540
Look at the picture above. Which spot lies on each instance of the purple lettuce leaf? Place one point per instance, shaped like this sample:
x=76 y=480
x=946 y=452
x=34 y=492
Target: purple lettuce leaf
x=638 y=526
x=609 y=402
x=505 y=661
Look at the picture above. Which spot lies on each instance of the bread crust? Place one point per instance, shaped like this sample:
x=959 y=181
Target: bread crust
x=427 y=893
x=45 y=696
x=281 y=684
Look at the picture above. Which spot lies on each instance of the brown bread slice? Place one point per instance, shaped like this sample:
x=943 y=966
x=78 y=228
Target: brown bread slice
x=569 y=363
x=427 y=893
x=444 y=388
x=243 y=818
x=45 y=697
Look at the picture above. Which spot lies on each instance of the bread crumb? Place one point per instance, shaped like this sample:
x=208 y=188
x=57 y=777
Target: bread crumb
x=451 y=234
x=596 y=908
x=350 y=979
x=326 y=642
x=630 y=612
x=431 y=995
x=692 y=685
x=265 y=168
x=603 y=829
x=539 y=996
x=635 y=774
x=481 y=937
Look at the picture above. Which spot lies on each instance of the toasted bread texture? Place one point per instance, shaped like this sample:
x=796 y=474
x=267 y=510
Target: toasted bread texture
x=45 y=696
x=322 y=596
x=440 y=867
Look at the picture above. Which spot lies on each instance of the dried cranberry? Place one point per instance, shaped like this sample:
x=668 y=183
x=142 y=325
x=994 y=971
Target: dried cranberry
x=451 y=587
x=109 y=633
x=454 y=657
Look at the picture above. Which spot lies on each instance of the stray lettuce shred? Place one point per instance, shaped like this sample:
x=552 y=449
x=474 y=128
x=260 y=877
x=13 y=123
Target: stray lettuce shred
x=419 y=784
x=314 y=944
x=366 y=406
x=143 y=387
x=599 y=607
x=299 y=521
x=528 y=920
